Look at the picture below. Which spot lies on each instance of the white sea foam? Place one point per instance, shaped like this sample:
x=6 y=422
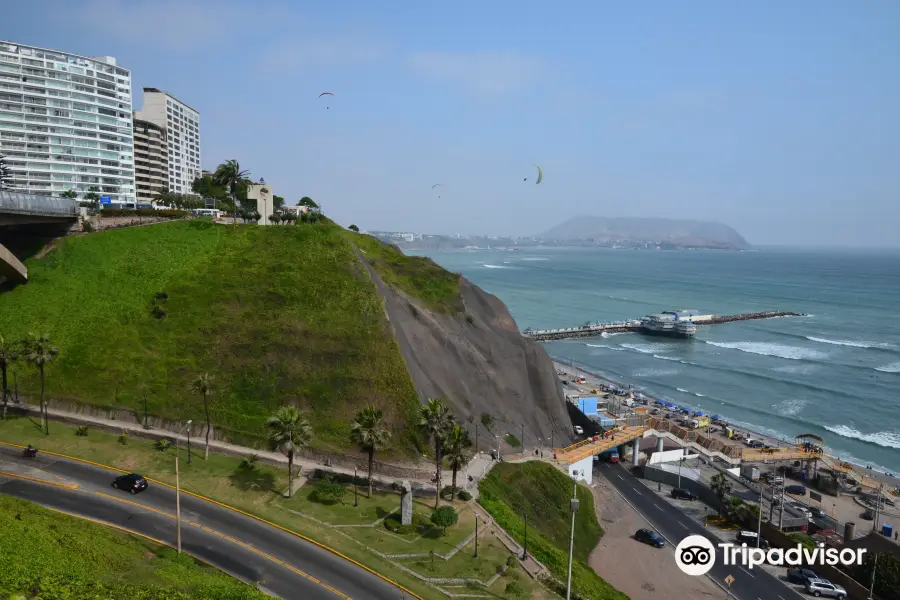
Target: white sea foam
x=607 y=334
x=672 y=358
x=699 y=395
x=888 y=439
x=790 y=407
x=604 y=346
x=494 y=267
x=851 y=343
x=534 y=258
x=683 y=390
x=801 y=369
x=648 y=348
x=654 y=372
x=769 y=349
x=891 y=368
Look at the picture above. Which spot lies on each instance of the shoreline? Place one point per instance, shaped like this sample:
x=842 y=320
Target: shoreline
x=595 y=379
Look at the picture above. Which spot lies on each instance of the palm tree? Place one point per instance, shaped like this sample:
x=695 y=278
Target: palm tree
x=70 y=194
x=721 y=487
x=457 y=452
x=8 y=354
x=369 y=433
x=288 y=431
x=230 y=176
x=203 y=385
x=436 y=422
x=40 y=353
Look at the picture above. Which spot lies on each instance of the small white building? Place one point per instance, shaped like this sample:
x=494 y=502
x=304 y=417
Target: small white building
x=294 y=210
x=261 y=193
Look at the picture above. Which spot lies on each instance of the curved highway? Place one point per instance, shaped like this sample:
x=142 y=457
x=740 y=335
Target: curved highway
x=278 y=562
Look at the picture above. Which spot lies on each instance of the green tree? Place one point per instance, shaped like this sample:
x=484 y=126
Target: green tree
x=39 y=353
x=207 y=188
x=444 y=517
x=370 y=434
x=436 y=422
x=9 y=352
x=92 y=197
x=721 y=487
x=289 y=431
x=456 y=449
x=70 y=194
x=230 y=176
x=5 y=174
x=354 y=228
x=277 y=202
x=307 y=201
x=203 y=385
x=275 y=218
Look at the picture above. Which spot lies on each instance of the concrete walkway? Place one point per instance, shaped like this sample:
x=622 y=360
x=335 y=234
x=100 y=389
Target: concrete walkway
x=478 y=467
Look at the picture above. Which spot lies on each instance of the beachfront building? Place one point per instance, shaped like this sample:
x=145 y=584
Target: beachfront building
x=182 y=126
x=151 y=169
x=65 y=123
x=261 y=195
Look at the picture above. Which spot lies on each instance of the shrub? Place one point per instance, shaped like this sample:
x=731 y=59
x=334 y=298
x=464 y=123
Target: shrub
x=87 y=227
x=464 y=495
x=81 y=431
x=470 y=319
x=163 y=445
x=447 y=492
x=512 y=562
x=161 y=296
x=248 y=463
x=514 y=589
x=329 y=491
x=487 y=420
x=512 y=440
x=144 y=212
x=158 y=312
x=393 y=525
x=123 y=438
x=444 y=517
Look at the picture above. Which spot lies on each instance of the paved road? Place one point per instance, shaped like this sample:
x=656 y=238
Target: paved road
x=674 y=525
x=283 y=564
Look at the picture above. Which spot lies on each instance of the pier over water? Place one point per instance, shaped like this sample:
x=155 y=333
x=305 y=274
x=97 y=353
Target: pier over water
x=634 y=325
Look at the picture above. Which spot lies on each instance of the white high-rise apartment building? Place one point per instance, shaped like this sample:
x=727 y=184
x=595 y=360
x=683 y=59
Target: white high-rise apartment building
x=182 y=125
x=65 y=123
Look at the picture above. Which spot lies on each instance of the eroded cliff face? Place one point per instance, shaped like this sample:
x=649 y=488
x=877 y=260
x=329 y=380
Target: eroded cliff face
x=480 y=363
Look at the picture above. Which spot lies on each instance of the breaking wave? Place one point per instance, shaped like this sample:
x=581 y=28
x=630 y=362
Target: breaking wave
x=851 y=343
x=891 y=368
x=769 y=349
x=494 y=267
x=887 y=439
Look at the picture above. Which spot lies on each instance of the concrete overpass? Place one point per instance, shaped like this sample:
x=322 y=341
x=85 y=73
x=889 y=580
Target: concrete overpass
x=17 y=208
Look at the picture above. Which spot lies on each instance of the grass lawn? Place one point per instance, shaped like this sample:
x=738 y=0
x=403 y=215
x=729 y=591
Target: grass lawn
x=55 y=556
x=418 y=276
x=275 y=314
x=491 y=555
x=430 y=540
x=259 y=492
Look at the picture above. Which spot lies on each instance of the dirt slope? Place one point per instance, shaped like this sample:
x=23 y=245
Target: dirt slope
x=480 y=363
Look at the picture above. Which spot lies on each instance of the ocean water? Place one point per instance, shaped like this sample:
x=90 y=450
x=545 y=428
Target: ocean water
x=834 y=373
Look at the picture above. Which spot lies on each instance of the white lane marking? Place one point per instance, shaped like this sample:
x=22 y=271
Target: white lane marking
x=637 y=492
x=619 y=476
x=656 y=505
x=688 y=528
x=746 y=571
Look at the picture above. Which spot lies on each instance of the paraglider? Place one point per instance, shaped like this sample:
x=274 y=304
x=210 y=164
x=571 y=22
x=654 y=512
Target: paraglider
x=434 y=186
x=326 y=94
x=540 y=176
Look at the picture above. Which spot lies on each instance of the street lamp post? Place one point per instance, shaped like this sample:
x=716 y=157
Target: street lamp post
x=476 y=537
x=178 y=488
x=872 y=584
x=476 y=437
x=525 y=549
x=355 y=490
x=680 y=462
x=759 y=521
x=573 y=507
x=189 y=443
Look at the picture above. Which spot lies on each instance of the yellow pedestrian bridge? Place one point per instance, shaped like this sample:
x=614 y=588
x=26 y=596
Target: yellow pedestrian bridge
x=807 y=447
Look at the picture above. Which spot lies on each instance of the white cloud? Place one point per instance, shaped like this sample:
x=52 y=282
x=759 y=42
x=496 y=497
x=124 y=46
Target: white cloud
x=163 y=24
x=481 y=73
x=321 y=51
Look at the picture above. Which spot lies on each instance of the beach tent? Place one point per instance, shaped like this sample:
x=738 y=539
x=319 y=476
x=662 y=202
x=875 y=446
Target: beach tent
x=698 y=413
x=718 y=418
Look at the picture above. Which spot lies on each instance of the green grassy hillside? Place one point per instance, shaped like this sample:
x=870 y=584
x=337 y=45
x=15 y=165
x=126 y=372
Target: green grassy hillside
x=274 y=314
x=57 y=557
x=544 y=493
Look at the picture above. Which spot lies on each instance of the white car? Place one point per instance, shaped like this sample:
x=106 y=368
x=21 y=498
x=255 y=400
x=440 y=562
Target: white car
x=579 y=430
x=823 y=587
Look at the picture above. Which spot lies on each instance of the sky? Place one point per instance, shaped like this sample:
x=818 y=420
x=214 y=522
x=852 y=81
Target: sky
x=781 y=119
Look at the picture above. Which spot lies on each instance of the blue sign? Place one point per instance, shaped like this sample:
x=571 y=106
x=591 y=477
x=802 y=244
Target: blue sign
x=105 y=200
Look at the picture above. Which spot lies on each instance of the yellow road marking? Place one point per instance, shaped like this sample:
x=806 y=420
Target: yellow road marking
x=69 y=486
x=237 y=510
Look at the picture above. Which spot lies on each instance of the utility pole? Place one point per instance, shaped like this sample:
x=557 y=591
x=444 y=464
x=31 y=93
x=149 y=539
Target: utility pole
x=872 y=585
x=759 y=522
x=781 y=510
x=146 y=423
x=523 y=438
x=355 y=490
x=680 y=462
x=573 y=507
x=877 y=508
x=476 y=436
x=178 y=486
x=525 y=549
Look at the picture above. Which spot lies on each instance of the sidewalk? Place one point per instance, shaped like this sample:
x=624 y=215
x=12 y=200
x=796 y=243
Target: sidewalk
x=478 y=467
x=14 y=466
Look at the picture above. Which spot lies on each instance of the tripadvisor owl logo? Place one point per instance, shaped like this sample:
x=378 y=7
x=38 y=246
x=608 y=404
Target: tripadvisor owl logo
x=695 y=555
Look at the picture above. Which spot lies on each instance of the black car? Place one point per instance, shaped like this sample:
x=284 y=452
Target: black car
x=818 y=512
x=801 y=575
x=796 y=490
x=132 y=482
x=648 y=536
x=682 y=494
